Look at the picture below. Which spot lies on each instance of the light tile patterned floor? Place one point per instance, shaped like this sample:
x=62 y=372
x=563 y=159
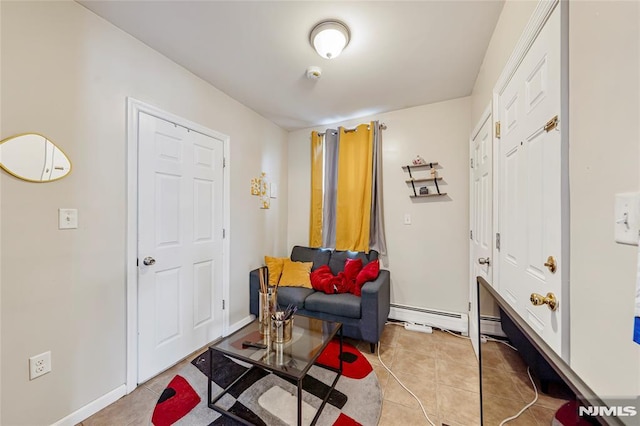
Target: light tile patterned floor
x=441 y=369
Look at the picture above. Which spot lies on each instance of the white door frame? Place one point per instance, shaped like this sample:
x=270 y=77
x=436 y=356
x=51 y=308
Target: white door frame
x=473 y=287
x=540 y=15
x=134 y=108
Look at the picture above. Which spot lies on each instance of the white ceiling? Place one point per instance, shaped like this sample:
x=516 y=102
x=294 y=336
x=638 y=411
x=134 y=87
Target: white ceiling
x=401 y=54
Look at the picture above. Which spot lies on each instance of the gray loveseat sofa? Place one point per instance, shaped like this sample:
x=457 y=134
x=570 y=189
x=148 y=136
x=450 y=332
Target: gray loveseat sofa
x=362 y=318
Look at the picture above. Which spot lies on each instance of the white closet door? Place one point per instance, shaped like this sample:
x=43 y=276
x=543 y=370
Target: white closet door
x=179 y=243
x=530 y=208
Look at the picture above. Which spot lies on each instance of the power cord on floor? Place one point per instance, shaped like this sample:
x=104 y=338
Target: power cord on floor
x=404 y=387
x=454 y=334
x=535 y=389
x=483 y=338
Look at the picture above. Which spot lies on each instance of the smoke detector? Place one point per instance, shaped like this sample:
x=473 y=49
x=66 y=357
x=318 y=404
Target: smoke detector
x=314 y=73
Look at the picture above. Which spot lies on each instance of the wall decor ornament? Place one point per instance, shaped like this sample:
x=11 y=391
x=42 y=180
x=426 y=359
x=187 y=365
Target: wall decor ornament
x=261 y=187
x=255 y=186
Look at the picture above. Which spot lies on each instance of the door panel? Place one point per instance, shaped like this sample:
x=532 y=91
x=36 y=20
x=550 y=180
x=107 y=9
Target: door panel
x=180 y=227
x=530 y=183
x=481 y=204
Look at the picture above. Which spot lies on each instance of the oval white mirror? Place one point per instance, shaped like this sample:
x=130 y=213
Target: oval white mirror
x=34 y=158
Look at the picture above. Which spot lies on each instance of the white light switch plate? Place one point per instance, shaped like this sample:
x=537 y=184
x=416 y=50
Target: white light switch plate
x=67 y=218
x=627 y=218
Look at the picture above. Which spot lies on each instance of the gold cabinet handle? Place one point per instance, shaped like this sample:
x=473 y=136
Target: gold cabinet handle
x=550 y=300
x=551 y=264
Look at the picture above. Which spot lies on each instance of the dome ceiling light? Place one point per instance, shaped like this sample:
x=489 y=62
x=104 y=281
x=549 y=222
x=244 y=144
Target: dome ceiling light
x=329 y=38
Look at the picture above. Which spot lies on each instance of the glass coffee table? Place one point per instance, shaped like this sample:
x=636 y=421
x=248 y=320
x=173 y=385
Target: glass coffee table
x=292 y=359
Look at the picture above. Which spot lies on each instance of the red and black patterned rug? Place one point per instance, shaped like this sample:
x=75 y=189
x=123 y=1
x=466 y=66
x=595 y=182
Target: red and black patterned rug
x=265 y=399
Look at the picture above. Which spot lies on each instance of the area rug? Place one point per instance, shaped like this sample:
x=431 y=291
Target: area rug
x=263 y=398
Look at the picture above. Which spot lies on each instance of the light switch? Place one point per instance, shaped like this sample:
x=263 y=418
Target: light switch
x=67 y=218
x=407 y=219
x=627 y=218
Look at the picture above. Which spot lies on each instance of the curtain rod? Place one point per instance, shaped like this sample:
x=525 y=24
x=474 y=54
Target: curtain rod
x=382 y=126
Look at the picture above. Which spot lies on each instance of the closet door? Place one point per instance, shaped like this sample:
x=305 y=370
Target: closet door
x=530 y=186
x=481 y=207
x=179 y=243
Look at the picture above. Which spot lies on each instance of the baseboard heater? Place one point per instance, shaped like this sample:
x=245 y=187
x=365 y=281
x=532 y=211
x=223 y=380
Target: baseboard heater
x=428 y=317
x=491 y=326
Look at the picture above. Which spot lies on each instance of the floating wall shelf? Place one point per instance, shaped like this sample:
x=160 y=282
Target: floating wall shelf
x=413 y=181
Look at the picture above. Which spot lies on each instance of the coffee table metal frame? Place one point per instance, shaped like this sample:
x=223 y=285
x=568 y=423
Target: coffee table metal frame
x=279 y=372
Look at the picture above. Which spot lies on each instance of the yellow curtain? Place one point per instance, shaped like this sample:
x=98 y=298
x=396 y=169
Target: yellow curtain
x=353 y=205
x=317 y=166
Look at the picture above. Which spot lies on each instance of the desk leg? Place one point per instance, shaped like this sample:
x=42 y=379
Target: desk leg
x=300 y=402
x=340 y=355
x=209 y=377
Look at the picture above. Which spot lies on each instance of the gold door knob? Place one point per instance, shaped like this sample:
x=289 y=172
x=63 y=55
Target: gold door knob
x=549 y=300
x=551 y=264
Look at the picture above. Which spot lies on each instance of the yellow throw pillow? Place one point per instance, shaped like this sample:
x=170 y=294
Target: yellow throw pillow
x=274 y=265
x=296 y=274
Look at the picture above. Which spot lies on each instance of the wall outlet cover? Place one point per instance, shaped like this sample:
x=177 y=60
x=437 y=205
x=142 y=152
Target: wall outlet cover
x=39 y=365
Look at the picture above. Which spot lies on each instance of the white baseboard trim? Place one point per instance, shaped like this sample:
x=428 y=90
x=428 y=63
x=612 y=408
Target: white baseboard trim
x=491 y=326
x=238 y=325
x=453 y=321
x=93 y=407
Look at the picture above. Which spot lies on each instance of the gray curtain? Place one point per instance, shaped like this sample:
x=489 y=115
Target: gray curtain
x=377 y=239
x=330 y=188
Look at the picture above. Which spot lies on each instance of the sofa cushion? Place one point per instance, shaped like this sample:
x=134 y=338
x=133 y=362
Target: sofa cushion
x=344 y=305
x=274 y=265
x=293 y=296
x=295 y=274
x=318 y=256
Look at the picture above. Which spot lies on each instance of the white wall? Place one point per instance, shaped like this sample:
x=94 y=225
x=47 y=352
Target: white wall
x=419 y=255
x=513 y=18
x=66 y=73
x=604 y=87
x=604 y=160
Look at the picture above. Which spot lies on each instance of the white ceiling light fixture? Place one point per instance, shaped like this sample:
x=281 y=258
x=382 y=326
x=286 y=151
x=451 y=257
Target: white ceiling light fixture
x=329 y=38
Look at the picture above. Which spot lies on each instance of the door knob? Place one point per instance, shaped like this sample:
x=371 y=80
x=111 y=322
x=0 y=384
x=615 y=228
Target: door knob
x=149 y=261
x=551 y=264
x=484 y=261
x=549 y=300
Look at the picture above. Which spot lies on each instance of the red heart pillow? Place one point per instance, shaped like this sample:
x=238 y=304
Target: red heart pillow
x=368 y=273
x=341 y=284
x=320 y=278
x=351 y=269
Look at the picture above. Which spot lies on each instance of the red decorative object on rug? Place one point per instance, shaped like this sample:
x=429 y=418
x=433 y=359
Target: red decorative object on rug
x=344 y=420
x=354 y=364
x=356 y=401
x=175 y=402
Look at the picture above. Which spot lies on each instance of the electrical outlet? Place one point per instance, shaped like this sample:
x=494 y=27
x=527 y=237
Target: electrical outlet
x=39 y=365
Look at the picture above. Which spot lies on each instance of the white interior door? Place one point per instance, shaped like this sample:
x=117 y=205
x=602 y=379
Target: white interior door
x=481 y=203
x=530 y=211
x=180 y=178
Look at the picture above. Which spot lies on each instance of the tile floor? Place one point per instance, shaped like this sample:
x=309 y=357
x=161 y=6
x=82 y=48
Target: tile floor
x=441 y=369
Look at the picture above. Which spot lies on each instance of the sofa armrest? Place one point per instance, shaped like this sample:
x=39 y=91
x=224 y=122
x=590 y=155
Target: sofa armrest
x=376 y=300
x=254 y=291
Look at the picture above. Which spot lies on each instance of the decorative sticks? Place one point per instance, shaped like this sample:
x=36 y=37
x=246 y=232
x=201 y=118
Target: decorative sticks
x=264 y=283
